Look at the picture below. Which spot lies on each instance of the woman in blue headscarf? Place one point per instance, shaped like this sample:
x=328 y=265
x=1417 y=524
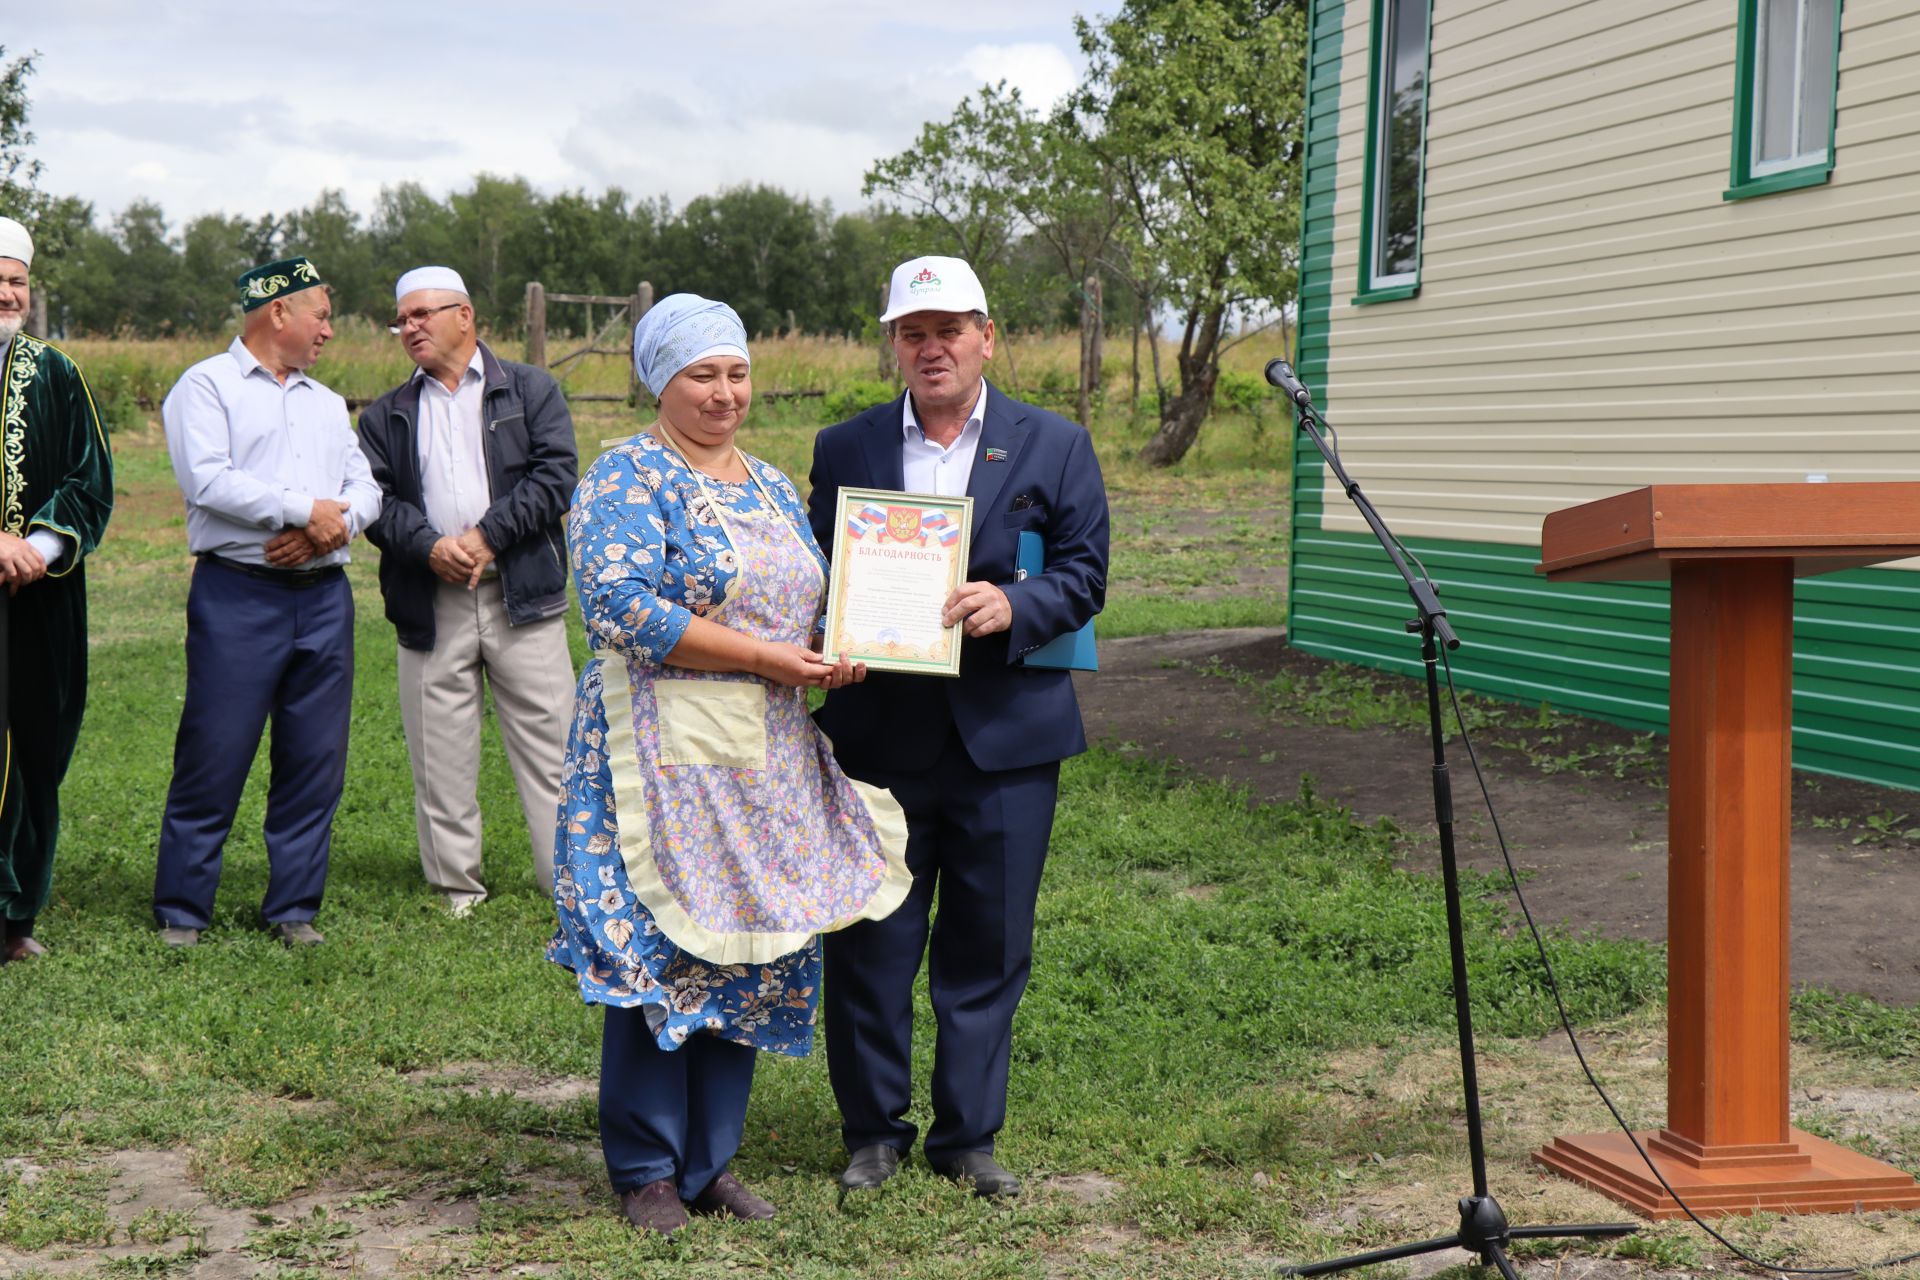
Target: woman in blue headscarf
x=706 y=836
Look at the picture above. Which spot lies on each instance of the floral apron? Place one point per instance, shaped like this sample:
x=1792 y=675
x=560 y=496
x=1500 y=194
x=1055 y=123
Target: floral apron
x=737 y=829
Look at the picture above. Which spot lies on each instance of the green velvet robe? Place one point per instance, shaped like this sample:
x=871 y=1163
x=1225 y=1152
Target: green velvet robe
x=55 y=473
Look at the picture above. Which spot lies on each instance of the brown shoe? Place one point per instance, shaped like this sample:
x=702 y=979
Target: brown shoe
x=298 y=933
x=655 y=1207
x=20 y=947
x=725 y=1195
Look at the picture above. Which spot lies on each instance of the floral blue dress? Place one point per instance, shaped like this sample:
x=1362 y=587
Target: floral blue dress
x=742 y=860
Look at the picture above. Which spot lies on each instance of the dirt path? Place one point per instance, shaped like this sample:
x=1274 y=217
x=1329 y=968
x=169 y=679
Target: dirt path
x=1594 y=846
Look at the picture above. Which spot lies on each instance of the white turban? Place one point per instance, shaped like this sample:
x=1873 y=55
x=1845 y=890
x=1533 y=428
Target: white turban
x=429 y=278
x=16 y=242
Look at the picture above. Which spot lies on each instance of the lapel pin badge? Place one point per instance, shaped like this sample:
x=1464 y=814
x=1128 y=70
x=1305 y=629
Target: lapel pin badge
x=996 y=455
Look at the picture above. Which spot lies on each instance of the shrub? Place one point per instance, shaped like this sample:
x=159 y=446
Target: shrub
x=849 y=398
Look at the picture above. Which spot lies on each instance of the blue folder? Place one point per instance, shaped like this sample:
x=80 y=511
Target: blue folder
x=1071 y=652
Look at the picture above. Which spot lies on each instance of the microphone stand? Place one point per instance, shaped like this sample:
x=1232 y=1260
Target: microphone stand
x=1483 y=1224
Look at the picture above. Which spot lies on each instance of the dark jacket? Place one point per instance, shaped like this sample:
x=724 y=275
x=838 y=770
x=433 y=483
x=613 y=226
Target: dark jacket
x=1033 y=471
x=532 y=467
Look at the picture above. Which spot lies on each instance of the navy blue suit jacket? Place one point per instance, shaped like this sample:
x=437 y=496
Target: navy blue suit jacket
x=1008 y=715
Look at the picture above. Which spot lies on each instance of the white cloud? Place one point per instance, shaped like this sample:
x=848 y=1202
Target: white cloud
x=1043 y=73
x=656 y=99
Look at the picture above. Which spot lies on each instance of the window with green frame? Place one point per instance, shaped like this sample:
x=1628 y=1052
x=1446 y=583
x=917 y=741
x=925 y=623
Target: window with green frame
x=1786 y=80
x=1396 y=151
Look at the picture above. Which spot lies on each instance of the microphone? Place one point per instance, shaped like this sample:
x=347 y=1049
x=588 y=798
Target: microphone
x=1280 y=374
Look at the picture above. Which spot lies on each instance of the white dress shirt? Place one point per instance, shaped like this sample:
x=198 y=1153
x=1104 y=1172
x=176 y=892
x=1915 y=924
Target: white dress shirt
x=927 y=467
x=453 y=454
x=252 y=454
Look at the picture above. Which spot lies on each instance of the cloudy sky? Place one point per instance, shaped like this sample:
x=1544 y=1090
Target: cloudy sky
x=239 y=107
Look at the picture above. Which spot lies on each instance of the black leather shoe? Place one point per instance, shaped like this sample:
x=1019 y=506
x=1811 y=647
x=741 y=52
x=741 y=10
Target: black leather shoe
x=980 y=1169
x=870 y=1167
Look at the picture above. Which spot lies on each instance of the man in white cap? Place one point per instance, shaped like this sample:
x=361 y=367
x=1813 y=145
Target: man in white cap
x=977 y=766
x=56 y=492
x=476 y=460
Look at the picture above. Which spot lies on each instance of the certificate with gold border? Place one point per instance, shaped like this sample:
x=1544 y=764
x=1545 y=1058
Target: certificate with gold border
x=896 y=559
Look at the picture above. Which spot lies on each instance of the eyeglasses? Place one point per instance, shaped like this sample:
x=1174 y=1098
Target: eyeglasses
x=418 y=316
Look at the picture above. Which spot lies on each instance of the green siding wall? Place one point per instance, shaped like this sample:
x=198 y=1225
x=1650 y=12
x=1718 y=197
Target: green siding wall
x=1592 y=649
x=1316 y=236
x=1601 y=649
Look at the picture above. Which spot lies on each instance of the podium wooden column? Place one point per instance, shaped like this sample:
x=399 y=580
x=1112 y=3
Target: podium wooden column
x=1732 y=553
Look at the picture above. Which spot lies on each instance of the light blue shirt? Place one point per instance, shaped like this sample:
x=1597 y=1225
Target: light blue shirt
x=253 y=454
x=926 y=467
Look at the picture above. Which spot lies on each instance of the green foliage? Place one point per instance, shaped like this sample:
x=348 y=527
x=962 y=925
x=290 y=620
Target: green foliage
x=853 y=397
x=1246 y=392
x=1856 y=1023
x=20 y=196
x=767 y=253
x=1197 y=106
x=63 y=1205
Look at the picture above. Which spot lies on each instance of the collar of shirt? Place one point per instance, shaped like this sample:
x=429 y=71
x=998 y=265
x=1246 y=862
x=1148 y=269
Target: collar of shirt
x=912 y=433
x=476 y=369
x=249 y=362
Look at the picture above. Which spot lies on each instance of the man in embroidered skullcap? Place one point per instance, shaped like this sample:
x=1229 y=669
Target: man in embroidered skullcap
x=475 y=460
x=56 y=492
x=275 y=487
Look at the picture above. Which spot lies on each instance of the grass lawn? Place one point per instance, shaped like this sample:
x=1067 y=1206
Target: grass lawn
x=1237 y=1030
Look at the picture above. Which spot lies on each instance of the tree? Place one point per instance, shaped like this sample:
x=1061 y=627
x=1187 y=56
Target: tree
x=962 y=175
x=497 y=234
x=597 y=244
x=411 y=229
x=19 y=198
x=215 y=249
x=1197 y=107
x=756 y=247
x=329 y=232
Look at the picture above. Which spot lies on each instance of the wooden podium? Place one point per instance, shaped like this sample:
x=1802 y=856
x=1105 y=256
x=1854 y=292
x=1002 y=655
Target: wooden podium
x=1732 y=553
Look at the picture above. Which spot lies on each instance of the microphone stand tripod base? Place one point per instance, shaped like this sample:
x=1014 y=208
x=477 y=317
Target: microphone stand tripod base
x=1483 y=1231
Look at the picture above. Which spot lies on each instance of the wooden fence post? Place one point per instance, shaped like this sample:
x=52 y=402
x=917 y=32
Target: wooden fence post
x=536 y=325
x=888 y=366
x=641 y=304
x=37 y=315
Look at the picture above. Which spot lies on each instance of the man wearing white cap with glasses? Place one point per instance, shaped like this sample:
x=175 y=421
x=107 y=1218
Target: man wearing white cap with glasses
x=56 y=492
x=975 y=761
x=476 y=460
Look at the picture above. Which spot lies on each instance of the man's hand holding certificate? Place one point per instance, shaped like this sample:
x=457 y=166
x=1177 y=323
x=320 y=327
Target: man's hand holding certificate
x=898 y=599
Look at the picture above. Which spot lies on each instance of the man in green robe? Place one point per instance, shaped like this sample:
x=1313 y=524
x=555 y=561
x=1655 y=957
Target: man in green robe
x=56 y=491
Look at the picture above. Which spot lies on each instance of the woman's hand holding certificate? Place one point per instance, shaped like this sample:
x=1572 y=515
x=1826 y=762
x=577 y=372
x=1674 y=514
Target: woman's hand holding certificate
x=898 y=564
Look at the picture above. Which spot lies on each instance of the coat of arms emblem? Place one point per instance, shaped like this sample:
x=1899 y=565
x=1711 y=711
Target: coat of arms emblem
x=903 y=524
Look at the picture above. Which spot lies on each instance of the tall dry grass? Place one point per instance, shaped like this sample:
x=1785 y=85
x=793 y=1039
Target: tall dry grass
x=132 y=375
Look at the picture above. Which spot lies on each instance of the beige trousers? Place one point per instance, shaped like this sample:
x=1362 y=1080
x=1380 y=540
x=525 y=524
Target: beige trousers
x=530 y=673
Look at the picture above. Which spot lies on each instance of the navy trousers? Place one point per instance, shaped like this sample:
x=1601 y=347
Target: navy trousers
x=980 y=839
x=257 y=651
x=664 y=1114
